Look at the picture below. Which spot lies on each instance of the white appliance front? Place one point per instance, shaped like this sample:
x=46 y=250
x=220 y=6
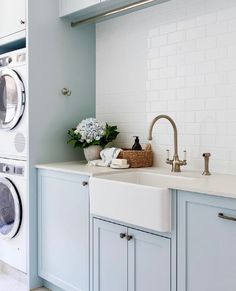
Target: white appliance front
x=13 y=105
x=13 y=214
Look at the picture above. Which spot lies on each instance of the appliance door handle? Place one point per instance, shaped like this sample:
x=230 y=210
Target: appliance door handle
x=223 y=216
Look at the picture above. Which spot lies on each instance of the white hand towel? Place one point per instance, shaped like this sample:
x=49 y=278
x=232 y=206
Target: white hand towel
x=107 y=155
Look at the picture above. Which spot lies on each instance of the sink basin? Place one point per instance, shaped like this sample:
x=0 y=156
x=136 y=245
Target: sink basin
x=146 y=178
x=138 y=198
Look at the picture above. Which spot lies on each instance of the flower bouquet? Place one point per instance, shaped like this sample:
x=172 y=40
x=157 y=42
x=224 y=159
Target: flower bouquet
x=92 y=135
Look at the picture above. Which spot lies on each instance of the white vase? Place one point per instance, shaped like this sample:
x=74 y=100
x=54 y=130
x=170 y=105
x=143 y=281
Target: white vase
x=92 y=152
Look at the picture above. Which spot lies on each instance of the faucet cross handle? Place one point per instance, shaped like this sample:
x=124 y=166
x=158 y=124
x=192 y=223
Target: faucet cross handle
x=176 y=163
x=167 y=154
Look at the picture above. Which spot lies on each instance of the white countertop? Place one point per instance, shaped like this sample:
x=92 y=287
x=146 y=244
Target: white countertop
x=216 y=184
x=75 y=167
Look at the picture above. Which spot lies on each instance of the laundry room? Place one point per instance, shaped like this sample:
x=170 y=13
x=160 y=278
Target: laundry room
x=117 y=145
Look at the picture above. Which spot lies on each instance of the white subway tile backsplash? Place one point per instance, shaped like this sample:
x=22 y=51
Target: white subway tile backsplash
x=217 y=28
x=168 y=28
x=216 y=53
x=158 y=63
x=158 y=41
x=175 y=105
x=158 y=106
x=160 y=84
x=195 y=81
x=195 y=32
x=168 y=50
x=194 y=57
x=195 y=104
x=206 y=92
x=226 y=14
x=206 y=19
x=167 y=72
x=153 y=74
x=186 y=93
x=177 y=58
x=175 y=37
x=186 y=70
x=206 y=43
x=186 y=24
x=168 y=94
x=226 y=39
x=175 y=83
x=205 y=68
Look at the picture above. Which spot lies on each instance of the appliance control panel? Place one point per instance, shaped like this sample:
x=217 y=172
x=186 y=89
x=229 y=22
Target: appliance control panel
x=11 y=169
x=13 y=59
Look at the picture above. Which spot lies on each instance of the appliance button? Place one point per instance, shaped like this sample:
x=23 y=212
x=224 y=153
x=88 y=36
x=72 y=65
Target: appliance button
x=9 y=60
x=5 y=169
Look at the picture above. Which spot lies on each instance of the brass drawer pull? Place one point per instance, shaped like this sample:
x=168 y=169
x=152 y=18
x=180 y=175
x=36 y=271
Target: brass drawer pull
x=223 y=216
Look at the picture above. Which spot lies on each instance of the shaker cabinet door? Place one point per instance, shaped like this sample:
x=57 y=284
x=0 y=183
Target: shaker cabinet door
x=125 y=259
x=206 y=243
x=148 y=261
x=12 y=18
x=110 y=257
x=63 y=222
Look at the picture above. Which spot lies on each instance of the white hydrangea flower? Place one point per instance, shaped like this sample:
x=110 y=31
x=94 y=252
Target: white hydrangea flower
x=91 y=129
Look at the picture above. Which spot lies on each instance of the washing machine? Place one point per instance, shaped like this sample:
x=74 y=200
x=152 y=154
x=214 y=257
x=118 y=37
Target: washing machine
x=13 y=214
x=13 y=105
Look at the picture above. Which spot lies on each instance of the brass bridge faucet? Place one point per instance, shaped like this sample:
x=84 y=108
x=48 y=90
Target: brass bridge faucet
x=176 y=163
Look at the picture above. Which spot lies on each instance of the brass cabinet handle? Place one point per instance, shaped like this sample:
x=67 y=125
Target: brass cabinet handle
x=223 y=216
x=122 y=235
x=66 y=91
x=129 y=237
x=84 y=183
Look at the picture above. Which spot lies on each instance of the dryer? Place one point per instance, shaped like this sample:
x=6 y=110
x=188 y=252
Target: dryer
x=13 y=105
x=13 y=214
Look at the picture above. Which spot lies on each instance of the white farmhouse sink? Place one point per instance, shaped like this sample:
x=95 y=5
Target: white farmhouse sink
x=133 y=197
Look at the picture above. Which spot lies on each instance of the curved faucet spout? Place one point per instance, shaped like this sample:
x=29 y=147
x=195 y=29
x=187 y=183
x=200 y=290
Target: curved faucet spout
x=163 y=116
x=175 y=162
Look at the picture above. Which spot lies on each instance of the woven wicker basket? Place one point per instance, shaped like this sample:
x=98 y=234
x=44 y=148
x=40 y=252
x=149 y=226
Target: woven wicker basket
x=137 y=159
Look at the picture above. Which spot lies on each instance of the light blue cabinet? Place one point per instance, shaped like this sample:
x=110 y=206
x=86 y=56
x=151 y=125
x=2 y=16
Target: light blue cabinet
x=206 y=243
x=126 y=259
x=148 y=262
x=110 y=257
x=63 y=223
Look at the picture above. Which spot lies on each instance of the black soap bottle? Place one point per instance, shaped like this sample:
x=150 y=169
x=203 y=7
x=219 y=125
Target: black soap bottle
x=136 y=146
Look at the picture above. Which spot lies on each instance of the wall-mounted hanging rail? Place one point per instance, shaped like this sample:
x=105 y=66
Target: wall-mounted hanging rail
x=112 y=12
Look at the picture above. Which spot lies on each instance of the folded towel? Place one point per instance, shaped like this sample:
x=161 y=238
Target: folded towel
x=106 y=157
x=98 y=163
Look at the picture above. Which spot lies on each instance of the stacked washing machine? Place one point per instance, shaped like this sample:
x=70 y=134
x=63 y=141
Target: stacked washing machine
x=13 y=159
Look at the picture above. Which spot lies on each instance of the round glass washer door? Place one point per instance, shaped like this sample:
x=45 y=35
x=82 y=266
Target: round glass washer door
x=10 y=209
x=12 y=98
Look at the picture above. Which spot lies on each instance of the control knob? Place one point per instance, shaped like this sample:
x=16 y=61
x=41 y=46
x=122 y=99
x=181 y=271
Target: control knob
x=9 y=60
x=5 y=168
